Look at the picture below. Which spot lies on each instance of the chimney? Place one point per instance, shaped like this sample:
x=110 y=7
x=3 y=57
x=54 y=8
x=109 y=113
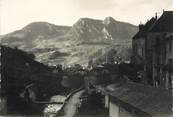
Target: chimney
x=141 y=26
x=156 y=15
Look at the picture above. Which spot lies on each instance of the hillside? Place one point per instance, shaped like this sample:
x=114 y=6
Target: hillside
x=88 y=39
x=19 y=69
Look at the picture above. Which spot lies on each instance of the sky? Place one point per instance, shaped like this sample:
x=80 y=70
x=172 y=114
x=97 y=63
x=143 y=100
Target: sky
x=15 y=14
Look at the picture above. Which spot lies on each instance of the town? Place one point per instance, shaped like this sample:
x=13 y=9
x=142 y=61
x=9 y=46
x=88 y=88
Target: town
x=141 y=87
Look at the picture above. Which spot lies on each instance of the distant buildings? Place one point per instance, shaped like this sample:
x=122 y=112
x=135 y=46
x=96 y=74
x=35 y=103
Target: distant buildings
x=153 y=50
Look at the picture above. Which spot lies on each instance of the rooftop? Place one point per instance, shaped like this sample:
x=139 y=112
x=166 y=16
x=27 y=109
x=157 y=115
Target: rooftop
x=152 y=101
x=164 y=23
x=143 y=29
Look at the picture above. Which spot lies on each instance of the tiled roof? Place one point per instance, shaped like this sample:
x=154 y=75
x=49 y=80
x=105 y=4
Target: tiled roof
x=145 y=28
x=153 y=101
x=164 y=23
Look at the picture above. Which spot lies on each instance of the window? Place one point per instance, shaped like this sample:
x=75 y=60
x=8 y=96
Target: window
x=170 y=45
x=170 y=61
x=170 y=81
x=135 y=48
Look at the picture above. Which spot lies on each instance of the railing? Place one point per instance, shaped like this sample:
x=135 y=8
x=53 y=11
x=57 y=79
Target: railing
x=44 y=102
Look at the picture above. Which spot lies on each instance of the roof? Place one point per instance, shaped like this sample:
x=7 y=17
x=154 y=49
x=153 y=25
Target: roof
x=153 y=101
x=142 y=32
x=164 y=23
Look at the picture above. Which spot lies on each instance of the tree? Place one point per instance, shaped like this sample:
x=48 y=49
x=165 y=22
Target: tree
x=111 y=56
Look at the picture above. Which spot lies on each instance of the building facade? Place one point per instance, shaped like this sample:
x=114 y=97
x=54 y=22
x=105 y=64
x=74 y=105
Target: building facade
x=138 y=46
x=160 y=42
x=153 y=43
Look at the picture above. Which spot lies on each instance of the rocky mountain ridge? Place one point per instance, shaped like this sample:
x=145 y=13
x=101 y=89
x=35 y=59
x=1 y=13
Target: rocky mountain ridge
x=88 y=39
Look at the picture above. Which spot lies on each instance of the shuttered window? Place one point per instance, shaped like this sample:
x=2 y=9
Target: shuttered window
x=170 y=46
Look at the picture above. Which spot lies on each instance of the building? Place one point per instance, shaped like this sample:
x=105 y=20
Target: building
x=153 y=46
x=138 y=43
x=161 y=36
x=138 y=46
x=136 y=100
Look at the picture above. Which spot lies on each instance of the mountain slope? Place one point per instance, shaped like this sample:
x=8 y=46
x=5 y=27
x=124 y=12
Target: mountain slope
x=117 y=29
x=32 y=32
x=90 y=30
x=87 y=39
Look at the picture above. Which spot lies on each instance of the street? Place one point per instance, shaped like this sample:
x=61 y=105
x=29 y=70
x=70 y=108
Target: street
x=70 y=107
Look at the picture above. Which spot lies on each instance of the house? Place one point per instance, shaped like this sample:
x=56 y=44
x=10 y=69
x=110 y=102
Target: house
x=139 y=58
x=138 y=46
x=159 y=52
x=136 y=100
x=153 y=50
x=138 y=42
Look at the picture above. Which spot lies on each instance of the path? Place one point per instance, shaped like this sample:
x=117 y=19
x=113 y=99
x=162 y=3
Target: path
x=70 y=107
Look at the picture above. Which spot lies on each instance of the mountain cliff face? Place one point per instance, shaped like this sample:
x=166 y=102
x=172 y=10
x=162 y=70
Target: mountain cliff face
x=118 y=30
x=88 y=39
x=90 y=30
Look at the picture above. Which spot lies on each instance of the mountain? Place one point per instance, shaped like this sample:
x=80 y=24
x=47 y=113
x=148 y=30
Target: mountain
x=91 y=30
x=116 y=29
x=36 y=31
x=88 y=39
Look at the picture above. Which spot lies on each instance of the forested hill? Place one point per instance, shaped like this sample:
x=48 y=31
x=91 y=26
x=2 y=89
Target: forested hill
x=19 y=70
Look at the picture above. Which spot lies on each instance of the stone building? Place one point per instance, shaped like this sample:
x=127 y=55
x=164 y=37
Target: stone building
x=138 y=42
x=160 y=51
x=154 y=46
x=138 y=46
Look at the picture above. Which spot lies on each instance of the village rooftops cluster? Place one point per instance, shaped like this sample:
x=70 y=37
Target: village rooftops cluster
x=164 y=23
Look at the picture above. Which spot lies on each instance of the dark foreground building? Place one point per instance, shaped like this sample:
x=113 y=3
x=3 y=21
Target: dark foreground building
x=153 y=49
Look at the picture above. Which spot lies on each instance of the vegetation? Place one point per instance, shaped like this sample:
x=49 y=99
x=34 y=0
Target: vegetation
x=74 y=76
x=19 y=70
x=21 y=73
